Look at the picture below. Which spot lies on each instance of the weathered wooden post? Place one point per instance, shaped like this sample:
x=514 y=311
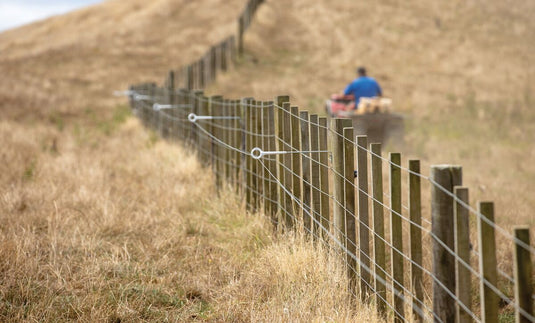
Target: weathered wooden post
x=280 y=158
x=206 y=140
x=462 y=249
x=396 y=237
x=523 y=276
x=217 y=111
x=306 y=178
x=324 y=178
x=188 y=127
x=242 y=132
x=272 y=164
x=257 y=184
x=349 y=203
x=265 y=161
x=315 y=176
x=287 y=161
x=296 y=162
x=415 y=232
x=227 y=139
x=241 y=27
x=444 y=178
x=378 y=228
x=190 y=84
x=196 y=108
x=364 y=222
x=487 y=263
x=224 y=57
x=337 y=148
x=202 y=74
x=232 y=49
x=237 y=143
x=248 y=147
x=213 y=63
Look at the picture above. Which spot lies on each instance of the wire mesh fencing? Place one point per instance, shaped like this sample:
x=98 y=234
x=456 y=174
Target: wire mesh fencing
x=305 y=172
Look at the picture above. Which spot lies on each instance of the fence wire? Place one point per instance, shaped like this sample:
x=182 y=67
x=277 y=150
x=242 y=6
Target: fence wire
x=254 y=147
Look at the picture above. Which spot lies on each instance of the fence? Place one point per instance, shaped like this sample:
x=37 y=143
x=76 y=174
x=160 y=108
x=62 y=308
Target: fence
x=308 y=174
x=300 y=172
x=218 y=58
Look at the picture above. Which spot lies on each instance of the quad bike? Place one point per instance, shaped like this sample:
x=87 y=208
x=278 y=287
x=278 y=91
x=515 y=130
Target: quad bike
x=372 y=117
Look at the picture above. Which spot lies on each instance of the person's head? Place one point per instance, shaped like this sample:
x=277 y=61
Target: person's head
x=361 y=71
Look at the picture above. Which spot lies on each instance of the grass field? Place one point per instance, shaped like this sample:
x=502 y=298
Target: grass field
x=102 y=220
x=109 y=223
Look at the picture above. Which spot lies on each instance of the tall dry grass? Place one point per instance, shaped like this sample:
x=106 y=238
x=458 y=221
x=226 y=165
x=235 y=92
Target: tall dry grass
x=102 y=221
x=113 y=224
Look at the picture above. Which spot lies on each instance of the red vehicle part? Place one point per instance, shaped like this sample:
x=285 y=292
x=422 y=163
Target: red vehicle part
x=339 y=103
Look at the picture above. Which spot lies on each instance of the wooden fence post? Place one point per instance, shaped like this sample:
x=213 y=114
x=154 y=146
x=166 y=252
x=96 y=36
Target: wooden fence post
x=248 y=147
x=280 y=158
x=232 y=49
x=224 y=56
x=196 y=108
x=170 y=99
x=241 y=28
x=487 y=263
x=337 y=146
x=288 y=179
x=227 y=139
x=184 y=126
x=145 y=114
x=364 y=223
x=306 y=178
x=324 y=178
x=206 y=140
x=242 y=140
x=378 y=228
x=236 y=124
x=213 y=63
x=217 y=111
x=349 y=202
x=315 y=177
x=443 y=177
x=296 y=162
x=415 y=232
x=257 y=184
x=523 y=275
x=177 y=114
x=272 y=164
x=153 y=94
x=265 y=161
x=396 y=237
x=189 y=127
x=190 y=77
x=462 y=249
x=202 y=73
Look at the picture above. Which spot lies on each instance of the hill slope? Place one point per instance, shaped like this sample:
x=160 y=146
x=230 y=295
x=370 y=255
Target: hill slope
x=463 y=72
x=76 y=196
x=72 y=62
x=99 y=220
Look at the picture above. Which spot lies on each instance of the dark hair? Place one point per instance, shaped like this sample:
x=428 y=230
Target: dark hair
x=361 y=71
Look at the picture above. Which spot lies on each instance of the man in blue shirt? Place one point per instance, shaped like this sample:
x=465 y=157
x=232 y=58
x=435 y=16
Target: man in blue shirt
x=363 y=87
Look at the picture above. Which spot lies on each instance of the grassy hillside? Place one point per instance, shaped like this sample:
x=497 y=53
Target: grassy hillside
x=100 y=221
x=462 y=72
x=71 y=63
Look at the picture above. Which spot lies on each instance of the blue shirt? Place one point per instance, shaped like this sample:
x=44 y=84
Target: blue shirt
x=363 y=86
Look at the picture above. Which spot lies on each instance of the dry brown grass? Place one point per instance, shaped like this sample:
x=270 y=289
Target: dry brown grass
x=103 y=221
x=462 y=73
x=121 y=226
